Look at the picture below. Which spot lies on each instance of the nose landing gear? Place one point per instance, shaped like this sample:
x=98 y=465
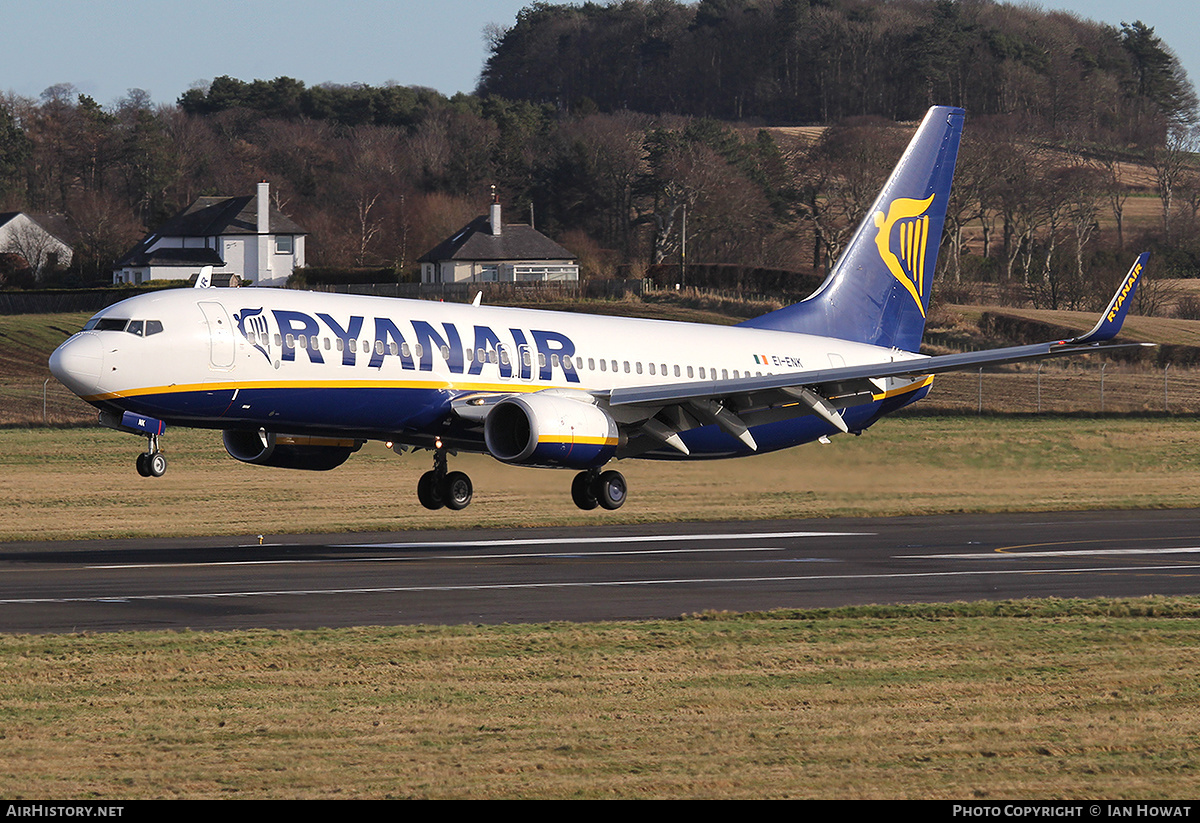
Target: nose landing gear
x=152 y=463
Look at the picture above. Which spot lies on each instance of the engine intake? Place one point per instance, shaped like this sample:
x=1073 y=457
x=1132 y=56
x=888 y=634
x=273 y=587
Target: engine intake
x=288 y=451
x=550 y=430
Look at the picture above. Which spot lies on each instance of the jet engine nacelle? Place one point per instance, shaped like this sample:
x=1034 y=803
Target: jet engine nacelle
x=545 y=429
x=288 y=451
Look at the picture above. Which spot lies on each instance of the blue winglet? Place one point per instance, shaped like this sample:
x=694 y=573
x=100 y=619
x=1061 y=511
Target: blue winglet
x=1114 y=316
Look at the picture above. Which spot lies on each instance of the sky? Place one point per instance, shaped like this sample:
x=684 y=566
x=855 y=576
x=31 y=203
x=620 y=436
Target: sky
x=164 y=47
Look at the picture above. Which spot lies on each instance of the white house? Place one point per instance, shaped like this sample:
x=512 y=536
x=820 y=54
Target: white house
x=42 y=240
x=486 y=250
x=242 y=236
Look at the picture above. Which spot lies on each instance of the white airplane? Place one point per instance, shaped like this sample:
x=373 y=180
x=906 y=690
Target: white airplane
x=301 y=380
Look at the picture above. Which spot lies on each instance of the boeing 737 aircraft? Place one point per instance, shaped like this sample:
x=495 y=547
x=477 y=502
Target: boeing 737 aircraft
x=302 y=380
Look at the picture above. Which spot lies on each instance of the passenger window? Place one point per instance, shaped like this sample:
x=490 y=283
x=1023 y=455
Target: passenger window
x=651 y=368
x=702 y=373
x=592 y=363
x=405 y=351
x=677 y=371
x=724 y=374
x=639 y=366
x=690 y=372
x=627 y=367
x=341 y=344
x=603 y=364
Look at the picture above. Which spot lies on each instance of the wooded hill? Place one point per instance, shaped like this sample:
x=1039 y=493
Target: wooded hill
x=600 y=122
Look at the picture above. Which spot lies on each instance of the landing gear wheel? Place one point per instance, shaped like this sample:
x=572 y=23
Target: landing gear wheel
x=428 y=492
x=610 y=489
x=581 y=491
x=456 y=491
x=151 y=464
x=157 y=464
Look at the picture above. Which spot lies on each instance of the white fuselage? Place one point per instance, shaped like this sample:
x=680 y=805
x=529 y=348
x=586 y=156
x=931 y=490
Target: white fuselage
x=315 y=362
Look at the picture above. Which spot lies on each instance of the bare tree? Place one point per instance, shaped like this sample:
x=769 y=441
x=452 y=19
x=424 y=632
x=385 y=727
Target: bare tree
x=1170 y=163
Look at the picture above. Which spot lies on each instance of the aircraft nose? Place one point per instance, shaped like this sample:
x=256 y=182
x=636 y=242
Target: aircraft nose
x=78 y=363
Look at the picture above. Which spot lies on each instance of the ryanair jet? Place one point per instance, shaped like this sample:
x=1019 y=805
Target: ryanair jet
x=302 y=380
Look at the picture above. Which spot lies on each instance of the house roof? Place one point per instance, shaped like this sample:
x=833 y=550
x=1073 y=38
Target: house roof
x=139 y=257
x=56 y=225
x=215 y=216
x=475 y=241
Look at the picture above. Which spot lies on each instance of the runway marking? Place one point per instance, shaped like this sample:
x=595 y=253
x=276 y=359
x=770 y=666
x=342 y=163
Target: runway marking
x=626 y=538
x=575 y=584
x=505 y=556
x=545 y=541
x=999 y=554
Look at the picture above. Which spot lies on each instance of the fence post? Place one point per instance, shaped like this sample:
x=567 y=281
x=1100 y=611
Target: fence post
x=1039 y=390
x=1102 y=367
x=980 y=409
x=1166 y=397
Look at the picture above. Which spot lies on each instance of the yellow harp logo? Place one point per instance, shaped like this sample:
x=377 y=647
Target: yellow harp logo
x=907 y=219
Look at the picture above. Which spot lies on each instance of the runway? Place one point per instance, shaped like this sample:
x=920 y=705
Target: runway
x=598 y=573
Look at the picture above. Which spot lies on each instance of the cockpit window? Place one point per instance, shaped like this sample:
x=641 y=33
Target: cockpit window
x=141 y=328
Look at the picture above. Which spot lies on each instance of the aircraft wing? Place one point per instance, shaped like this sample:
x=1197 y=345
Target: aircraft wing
x=656 y=414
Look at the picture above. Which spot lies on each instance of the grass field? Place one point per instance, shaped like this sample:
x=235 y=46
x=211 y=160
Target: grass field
x=1026 y=700
x=81 y=482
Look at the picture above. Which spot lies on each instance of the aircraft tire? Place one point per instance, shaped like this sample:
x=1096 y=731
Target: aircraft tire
x=428 y=492
x=156 y=464
x=457 y=491
x=143 y=464
x=581 y=492
x=610 y=490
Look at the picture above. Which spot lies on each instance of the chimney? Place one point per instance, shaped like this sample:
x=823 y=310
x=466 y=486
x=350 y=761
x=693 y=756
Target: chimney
x=264 y=207
x=495 y=215
x=263 y=266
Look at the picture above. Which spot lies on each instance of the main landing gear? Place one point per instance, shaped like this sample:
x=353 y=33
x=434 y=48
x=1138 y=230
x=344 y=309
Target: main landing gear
x=439 y=487
x=151 y=463
x=594 y=488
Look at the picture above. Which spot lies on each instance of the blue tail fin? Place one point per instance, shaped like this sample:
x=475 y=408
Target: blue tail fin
x=879 y=290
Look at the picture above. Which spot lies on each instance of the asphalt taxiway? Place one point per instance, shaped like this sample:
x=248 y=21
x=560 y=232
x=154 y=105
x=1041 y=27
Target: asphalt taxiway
x=597 y=573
